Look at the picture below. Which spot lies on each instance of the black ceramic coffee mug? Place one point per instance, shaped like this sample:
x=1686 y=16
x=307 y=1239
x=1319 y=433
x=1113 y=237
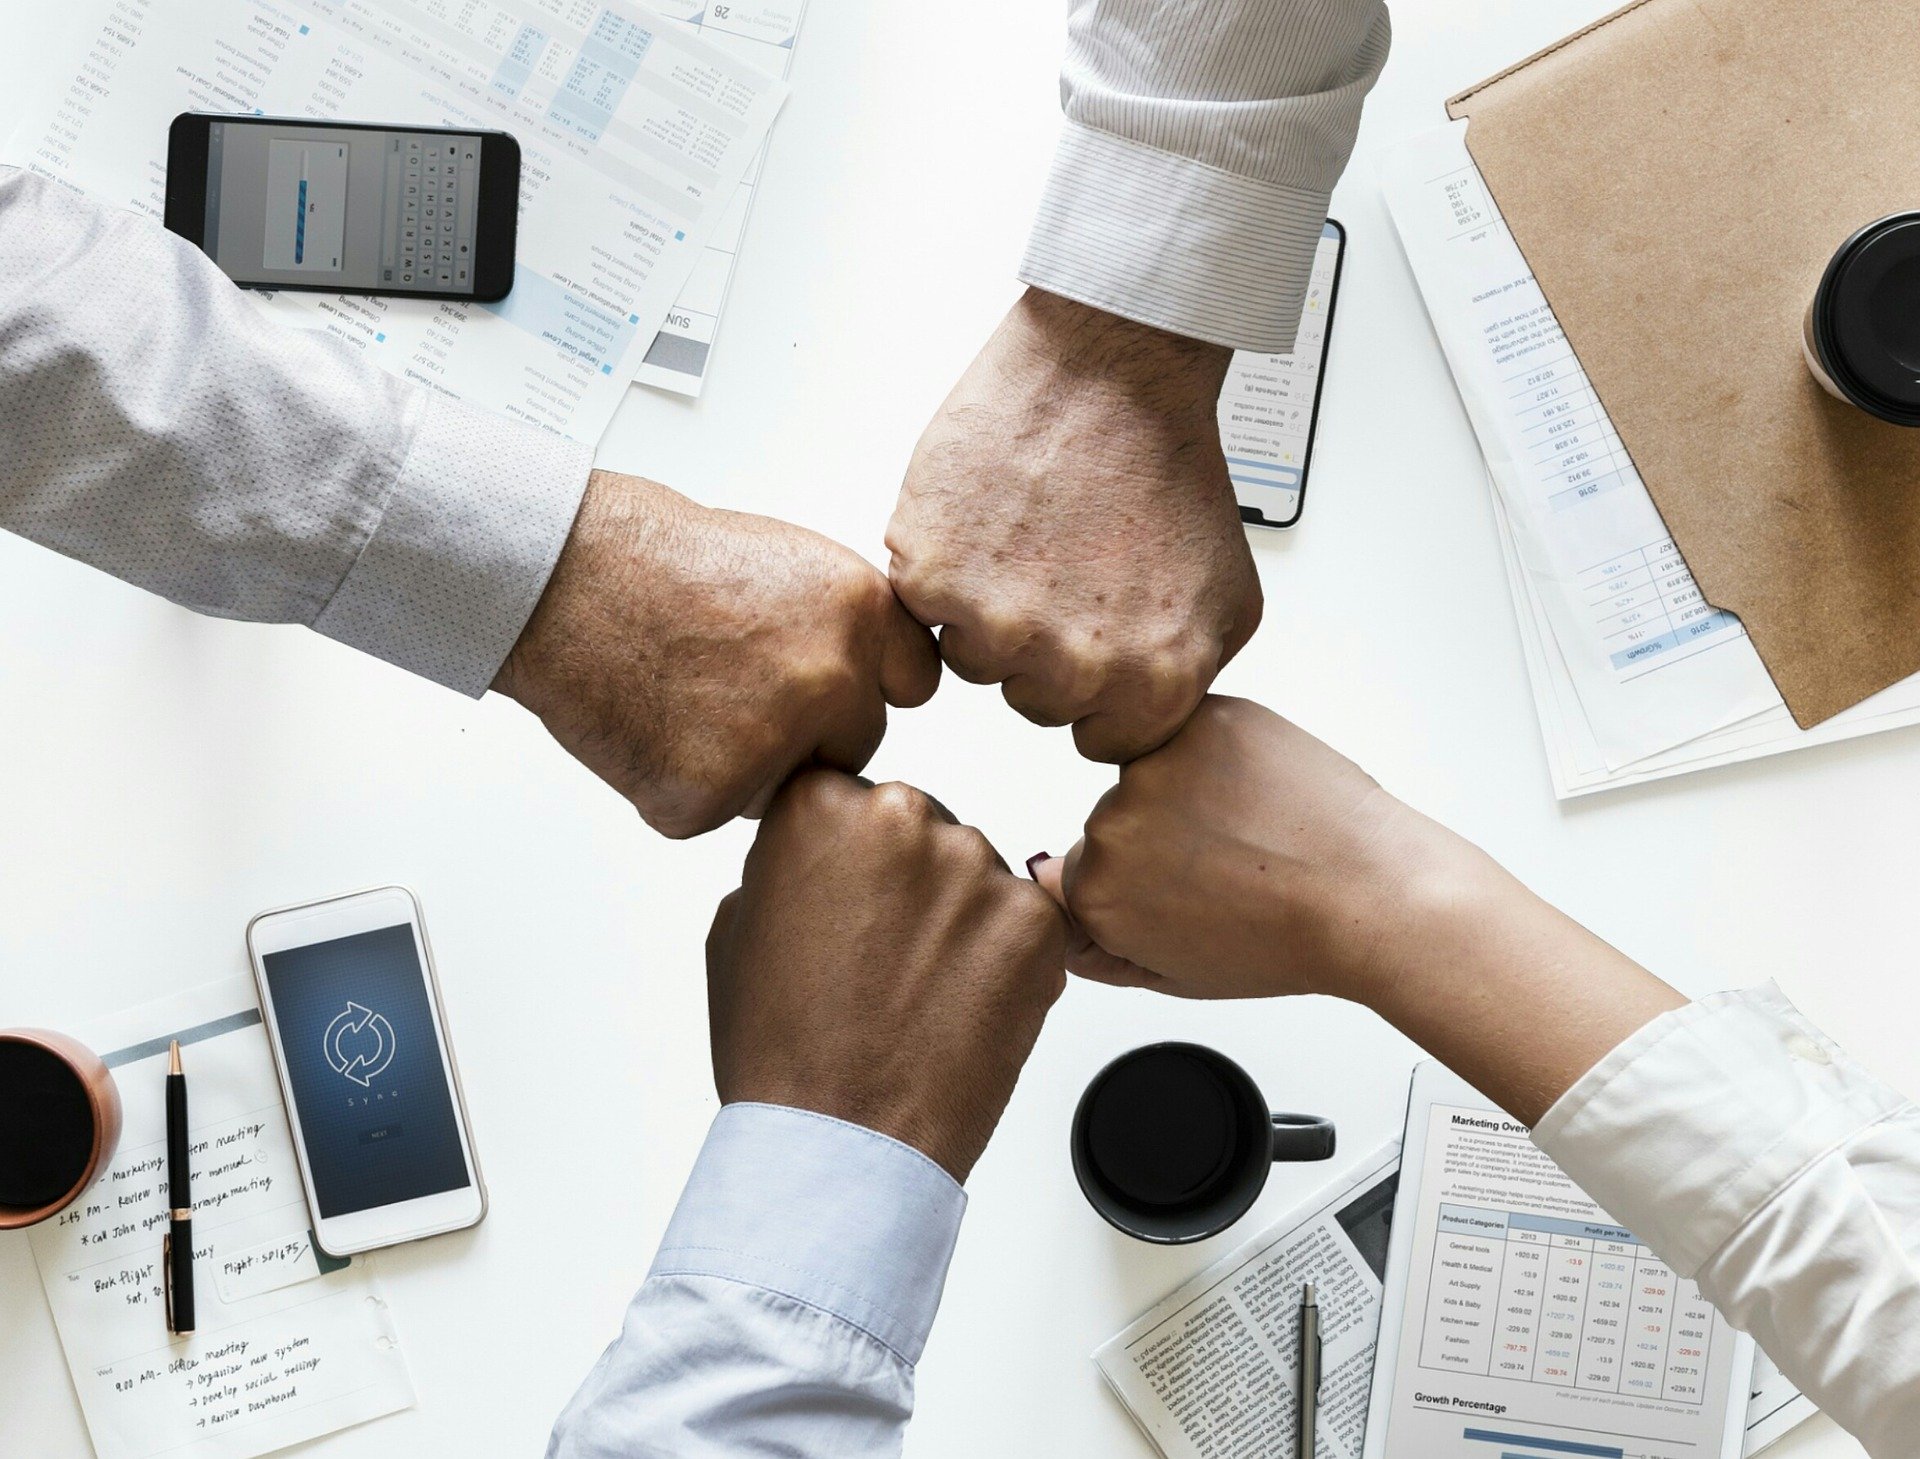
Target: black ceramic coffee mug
x=1173 y=1142
x=1861 y=333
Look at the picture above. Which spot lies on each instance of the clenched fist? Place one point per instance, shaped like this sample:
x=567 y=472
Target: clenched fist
x=879 y=964
x=1246 y=859
x=694 y=658
x=1068 y=524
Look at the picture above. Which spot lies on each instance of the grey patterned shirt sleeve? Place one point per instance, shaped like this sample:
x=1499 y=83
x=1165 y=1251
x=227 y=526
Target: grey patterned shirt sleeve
x=1202 y=139
x=155 y=425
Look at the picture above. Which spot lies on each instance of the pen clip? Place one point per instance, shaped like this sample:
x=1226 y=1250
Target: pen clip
x=166 y=1278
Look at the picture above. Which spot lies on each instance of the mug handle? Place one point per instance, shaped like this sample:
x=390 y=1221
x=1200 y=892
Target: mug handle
x=1302 y=1137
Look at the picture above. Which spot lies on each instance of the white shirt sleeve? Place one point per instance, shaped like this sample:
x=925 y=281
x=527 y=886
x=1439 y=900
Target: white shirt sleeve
x=788 y=1304
x=1202 y=139
x=1753 y=1155
x=155 y=425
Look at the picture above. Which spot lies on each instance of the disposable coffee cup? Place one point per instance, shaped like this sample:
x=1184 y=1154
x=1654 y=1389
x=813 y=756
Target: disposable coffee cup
x=59 y=1123
x=1173 y=1142
x=1861 y=332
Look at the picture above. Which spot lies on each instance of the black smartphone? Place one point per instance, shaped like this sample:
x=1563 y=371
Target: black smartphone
x=1271 y=403
x=284 y=203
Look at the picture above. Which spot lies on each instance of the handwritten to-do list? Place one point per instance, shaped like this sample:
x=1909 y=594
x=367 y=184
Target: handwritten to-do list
x=291 y=1343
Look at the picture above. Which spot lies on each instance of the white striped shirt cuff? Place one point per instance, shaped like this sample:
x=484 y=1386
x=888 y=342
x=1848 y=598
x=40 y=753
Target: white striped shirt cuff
x=1173 y=243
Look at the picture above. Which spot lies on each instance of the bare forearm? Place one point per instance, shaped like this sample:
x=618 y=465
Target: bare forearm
x=1513 y=995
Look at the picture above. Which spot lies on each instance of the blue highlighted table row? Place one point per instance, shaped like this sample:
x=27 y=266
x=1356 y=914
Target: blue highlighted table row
x=1686 y=633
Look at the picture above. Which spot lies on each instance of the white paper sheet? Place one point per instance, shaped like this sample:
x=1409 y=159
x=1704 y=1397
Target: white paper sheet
x=1654 y=665
x=1572 y=755
x=1701 y=698
x=287 y=1345
x=1776 y=1407
x=1212 y=1369
x=634 y=137
x=1520 y=1316
x=761 y=33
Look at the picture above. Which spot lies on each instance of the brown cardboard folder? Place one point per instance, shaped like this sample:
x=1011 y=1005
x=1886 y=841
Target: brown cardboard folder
x=1678 y=175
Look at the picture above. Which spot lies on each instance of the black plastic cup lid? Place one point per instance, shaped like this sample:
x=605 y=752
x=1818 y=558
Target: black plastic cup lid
x=1868 y=319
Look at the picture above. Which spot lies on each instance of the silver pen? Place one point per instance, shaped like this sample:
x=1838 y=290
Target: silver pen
x=1309 y=1407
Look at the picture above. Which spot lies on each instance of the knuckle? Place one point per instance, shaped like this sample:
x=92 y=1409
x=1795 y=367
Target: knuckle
x=1039 y=913
x=897 y=805
x=810 y=794
x=973 y=852
x=688 y=814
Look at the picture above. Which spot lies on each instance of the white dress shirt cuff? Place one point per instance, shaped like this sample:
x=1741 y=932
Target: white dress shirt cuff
x=821 y=1211
x=1701 y=1117
x=469 y=536
x=1183 y=246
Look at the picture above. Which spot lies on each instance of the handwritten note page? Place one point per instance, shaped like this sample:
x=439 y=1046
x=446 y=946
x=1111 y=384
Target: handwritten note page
x=290 y=1343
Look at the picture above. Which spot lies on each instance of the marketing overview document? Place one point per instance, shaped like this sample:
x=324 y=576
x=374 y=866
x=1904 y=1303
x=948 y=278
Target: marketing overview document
x=634 y=132
x=1522 y=1319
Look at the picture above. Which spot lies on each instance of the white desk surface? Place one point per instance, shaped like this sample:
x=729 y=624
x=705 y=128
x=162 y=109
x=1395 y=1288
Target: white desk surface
x=168 y=776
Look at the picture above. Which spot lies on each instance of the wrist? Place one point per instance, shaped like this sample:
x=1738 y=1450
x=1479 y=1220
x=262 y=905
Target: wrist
x=527 y=672
x=1080 y=346
x=1433 y=896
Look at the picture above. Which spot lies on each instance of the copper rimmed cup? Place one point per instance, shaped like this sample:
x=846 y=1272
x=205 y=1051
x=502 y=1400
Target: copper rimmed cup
x=59 y=1123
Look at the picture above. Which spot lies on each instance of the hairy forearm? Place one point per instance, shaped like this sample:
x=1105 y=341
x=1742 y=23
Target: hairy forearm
x=1082 y=347
x=1512 y=994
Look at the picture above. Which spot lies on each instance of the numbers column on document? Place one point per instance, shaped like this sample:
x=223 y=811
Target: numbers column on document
x=1611 y=1273
x=1523 y=1283
x=1686 y=1373
x=1563 y=1312
x=1569 y=441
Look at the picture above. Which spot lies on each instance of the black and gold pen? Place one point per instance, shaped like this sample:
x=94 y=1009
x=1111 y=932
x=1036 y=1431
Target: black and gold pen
x=176 y=1251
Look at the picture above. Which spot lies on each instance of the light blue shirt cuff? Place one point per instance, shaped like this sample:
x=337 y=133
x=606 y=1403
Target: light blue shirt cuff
x=824 y=1212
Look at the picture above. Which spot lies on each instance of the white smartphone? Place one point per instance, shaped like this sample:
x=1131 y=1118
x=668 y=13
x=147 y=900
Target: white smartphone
x=1270 y=404
x=353 y=1012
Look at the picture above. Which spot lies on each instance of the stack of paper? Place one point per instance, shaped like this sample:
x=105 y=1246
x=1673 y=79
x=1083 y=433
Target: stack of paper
x=1212 y=1368
x=761 y=33
x=635 y=133
x=1635 y=676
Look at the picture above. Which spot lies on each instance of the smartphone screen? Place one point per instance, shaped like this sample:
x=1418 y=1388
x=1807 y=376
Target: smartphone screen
x=366 y=1069
x=1271 y=403
x=290 y=204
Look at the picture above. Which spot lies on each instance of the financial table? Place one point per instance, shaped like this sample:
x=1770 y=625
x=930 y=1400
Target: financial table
x=1568 y=1303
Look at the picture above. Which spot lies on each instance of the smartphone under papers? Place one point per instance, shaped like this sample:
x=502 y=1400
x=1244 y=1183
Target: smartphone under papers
x=634 y=135
x=1635 y=676
x=1520 y=1318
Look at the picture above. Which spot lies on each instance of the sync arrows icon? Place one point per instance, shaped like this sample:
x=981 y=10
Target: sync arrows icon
x=368 y=1035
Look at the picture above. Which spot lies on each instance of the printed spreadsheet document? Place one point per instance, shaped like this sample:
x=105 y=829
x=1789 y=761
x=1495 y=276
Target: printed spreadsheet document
x=1635 y=676
x=1520 y=1317
x=761 y=33
x=635 y=134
